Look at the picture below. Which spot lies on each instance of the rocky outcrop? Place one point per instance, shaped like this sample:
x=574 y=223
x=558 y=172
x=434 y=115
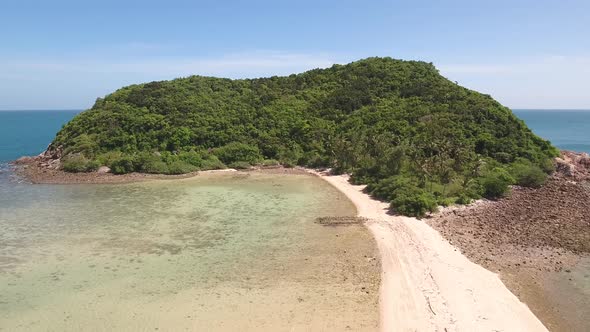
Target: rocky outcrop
x=573 y=165
x=48 y=159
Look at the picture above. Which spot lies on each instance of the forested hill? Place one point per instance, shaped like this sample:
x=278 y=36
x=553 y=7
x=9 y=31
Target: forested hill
x=393 y=124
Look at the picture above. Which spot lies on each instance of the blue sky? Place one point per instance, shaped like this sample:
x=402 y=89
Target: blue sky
x=64 y=54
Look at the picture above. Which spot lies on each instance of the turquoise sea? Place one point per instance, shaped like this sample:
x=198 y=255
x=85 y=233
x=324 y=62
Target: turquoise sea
x=27 y=133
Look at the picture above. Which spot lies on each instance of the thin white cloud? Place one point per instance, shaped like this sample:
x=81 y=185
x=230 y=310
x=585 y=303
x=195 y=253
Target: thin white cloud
x=76 y=81
x=233 y=65
x=549 y=64
x=551 y=81
x=475 y=69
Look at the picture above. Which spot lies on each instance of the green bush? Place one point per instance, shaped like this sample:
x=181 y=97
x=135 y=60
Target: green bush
x=83 y=144
x=78 y=163
x=548 y=165
x=180 y=167
x=240 y=165
x=270 y=163
x=123 y=165
x=413 y=202
x=473 y=189
x=237 y=151
x=109 y=157
x=315 y=160
x=496 y=183
x=155 y=167
x=211 y=162
x=290 y=156
x=446 y=201
x=463 y=199
x=387 y=188
x=192 y=157
x=527 y=174
x=93 y=165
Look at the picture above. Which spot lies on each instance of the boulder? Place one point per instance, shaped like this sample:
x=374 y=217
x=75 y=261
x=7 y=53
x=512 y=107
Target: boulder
x=574 y=165
x=103 y=170
x=25 y=160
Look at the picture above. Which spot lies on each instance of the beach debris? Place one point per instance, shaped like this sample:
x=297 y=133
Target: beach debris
x=340 y=221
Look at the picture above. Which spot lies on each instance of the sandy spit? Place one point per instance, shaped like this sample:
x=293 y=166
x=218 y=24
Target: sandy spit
x=426 y=283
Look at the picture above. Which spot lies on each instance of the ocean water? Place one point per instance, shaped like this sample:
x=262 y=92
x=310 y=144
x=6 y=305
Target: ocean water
x=566 y=129
x=217 y=252
x=27 y=133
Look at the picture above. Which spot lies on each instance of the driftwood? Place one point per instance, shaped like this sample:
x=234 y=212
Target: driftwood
x=340 y=221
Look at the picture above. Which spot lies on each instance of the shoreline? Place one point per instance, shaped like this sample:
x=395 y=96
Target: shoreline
x=31 y=171
x=538 y=241
x=427 y=284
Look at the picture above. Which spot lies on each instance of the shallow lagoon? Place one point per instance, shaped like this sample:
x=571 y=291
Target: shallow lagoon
x=216 y=252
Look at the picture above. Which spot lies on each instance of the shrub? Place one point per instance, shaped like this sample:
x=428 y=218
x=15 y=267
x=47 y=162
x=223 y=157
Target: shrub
x=463 y=199
x=83 y=144
x=527 y=174
x=155 y=167
x=548 y=165
x=270 y=163
x=125 y=164
x=237 y=151
x=446 y=201
x=413 y=202
x=180 y=167
x=240 y=165
x=211 y=162
x=92 y=165
x=473 y=189
x=108 y=158
x=192 y=157
x=77 y=163
x=290 y=156
x=386 y=189
x=314 y=159
x=288 y=164
x=496 y=182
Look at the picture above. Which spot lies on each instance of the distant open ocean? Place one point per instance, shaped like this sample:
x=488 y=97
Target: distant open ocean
x=566 y=129
x=29 y=132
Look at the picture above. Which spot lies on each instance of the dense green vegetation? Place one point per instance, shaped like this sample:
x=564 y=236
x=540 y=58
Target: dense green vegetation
x=416 y=138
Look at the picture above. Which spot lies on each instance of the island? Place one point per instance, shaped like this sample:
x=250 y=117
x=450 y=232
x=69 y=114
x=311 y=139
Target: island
x=413 y=137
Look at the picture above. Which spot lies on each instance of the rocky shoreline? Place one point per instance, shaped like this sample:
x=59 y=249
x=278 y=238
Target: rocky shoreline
x=44 y=169
x=534 y=239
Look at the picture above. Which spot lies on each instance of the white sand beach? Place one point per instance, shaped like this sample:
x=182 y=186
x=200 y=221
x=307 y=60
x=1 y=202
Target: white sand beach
x=427 y=284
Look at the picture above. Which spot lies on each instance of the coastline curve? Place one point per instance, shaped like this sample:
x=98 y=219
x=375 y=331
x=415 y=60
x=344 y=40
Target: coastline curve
x=426 y=283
